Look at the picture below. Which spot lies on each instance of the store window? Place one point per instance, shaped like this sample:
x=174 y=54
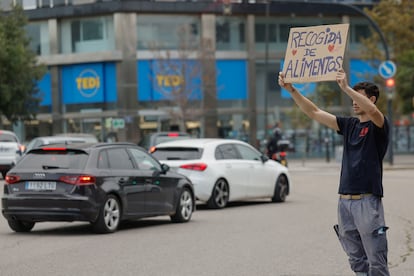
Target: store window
x=91 y=30
x=230 y=33
x=6 y=5
x=359 y=31
x=39 y=37
x=27 y=4
x=87 y=35
x=164 y=32
x=260 y=33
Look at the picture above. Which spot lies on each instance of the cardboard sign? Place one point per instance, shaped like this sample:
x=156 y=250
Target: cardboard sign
x=315 y=53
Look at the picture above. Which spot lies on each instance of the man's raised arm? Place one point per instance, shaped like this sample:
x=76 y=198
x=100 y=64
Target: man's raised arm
x=308 y=107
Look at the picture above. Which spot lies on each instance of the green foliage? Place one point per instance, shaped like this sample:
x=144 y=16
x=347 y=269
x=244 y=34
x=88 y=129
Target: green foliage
x=405 y=80
x=298 y=119
x=396 y=21
x=19 y=71
x=327 y=94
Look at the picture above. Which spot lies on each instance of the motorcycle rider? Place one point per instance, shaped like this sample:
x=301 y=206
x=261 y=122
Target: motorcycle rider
x=272 y=143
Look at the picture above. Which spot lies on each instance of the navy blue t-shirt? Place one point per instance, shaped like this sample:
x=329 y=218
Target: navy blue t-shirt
x=365 y=146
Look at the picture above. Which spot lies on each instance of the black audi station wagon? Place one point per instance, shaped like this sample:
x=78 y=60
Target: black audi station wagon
x=102 y=183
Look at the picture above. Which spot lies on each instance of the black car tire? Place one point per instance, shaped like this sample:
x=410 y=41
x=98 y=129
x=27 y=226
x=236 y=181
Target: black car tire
x=20 y=225
x=220 y=195
x=281 y=189
x=185 y=207
x=109 y=216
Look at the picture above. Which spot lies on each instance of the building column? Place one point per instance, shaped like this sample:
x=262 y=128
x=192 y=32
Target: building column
x=251 y=65
x=125 y=28
x=209 y=75
x=57 y=112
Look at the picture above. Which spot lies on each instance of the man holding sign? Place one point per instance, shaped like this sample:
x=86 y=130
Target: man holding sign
x=361 y=226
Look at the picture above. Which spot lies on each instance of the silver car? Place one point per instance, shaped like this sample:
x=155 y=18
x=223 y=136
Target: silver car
x=49 y=140
x=10 y=151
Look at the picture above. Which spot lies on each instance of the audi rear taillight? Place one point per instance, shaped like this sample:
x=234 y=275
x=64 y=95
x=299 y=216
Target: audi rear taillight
x=78 y=179
x=195 y=166
x=11 y=179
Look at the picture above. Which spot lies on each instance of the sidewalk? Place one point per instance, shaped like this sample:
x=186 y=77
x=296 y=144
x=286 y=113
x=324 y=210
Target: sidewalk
x=400 y=162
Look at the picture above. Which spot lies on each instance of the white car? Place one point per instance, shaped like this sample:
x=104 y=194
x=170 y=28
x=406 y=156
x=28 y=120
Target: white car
x=10 y=151
x=224 y=170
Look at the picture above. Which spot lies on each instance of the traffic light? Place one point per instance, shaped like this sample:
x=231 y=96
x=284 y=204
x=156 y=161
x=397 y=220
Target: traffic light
x=390 y=83
x=390 y=87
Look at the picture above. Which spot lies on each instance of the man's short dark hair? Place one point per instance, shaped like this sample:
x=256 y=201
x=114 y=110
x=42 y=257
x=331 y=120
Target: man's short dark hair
x=369 y=88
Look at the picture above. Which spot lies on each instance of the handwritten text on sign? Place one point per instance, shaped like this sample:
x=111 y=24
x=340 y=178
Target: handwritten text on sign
x=315 y=53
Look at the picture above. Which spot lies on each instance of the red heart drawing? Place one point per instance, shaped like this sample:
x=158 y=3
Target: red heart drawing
x=331 y=47
x=294 y=51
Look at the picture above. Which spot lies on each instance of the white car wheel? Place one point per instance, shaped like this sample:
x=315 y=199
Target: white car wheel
x=220 y=195
x=281 y=189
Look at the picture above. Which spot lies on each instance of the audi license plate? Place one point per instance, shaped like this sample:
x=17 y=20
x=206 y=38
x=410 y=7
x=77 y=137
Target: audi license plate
x=41 y=185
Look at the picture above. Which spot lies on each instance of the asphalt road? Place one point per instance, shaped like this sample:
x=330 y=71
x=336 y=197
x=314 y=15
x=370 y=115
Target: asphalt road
x=255 y=238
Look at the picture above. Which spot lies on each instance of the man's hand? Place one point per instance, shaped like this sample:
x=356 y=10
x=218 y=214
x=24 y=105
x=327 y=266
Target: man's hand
x=283 y=84
x=341 y=79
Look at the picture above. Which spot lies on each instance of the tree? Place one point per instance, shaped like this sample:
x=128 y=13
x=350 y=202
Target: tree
x=19 y=70
x=183 y=77
x=405 y=80
x=395 y=18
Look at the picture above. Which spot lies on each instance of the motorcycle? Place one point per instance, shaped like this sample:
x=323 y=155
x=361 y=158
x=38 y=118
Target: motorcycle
x=280 y=157
x=281 y=154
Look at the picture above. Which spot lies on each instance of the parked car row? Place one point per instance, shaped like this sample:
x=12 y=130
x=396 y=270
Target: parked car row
x=106 y=183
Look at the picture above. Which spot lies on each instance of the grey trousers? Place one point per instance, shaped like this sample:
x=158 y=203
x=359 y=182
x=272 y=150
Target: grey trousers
x=362 y=233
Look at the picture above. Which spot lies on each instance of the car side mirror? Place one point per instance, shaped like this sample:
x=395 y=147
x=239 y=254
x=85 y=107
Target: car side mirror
x=264 y=158
x=165 y=168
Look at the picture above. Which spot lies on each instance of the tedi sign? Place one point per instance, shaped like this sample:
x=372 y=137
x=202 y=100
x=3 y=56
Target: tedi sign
x=315 y=53
x=88 y=83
